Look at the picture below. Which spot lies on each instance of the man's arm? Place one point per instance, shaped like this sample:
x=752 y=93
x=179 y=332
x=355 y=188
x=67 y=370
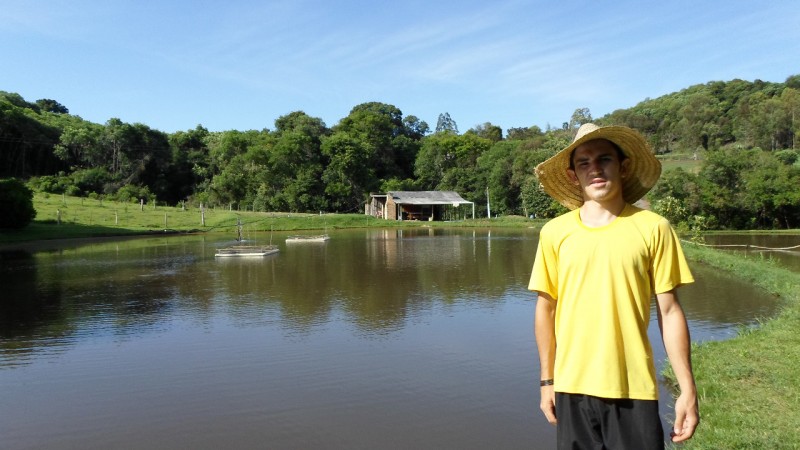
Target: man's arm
x=544 y=324
x=675 y=334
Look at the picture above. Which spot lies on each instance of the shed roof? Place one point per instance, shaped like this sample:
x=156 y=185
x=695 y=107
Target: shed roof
x=427 y=198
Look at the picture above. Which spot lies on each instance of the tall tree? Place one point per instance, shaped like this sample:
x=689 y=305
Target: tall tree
x=190 y=172
x=772 y=192
x=488 y=131
x=389 y=147
x=579 y=117
x=295 y=164
x=450 y=162
x=722 y=186
x=497 y=165
x=349 y=177
x=416 y=128
x=79 y=146
x=445 y=124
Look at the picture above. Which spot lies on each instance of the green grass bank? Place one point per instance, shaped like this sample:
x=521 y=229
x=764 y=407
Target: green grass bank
x=64 y=217
x=749 y=386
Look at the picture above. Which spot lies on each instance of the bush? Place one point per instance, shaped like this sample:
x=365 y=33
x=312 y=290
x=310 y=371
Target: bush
x=132 y=193
x=16 y=204
x=91 y=180
x=53 y=184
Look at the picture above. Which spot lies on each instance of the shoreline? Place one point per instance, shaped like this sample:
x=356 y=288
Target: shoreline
x=747 y=385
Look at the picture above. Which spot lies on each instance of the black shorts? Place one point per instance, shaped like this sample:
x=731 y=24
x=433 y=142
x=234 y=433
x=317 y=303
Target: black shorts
x=586 y=422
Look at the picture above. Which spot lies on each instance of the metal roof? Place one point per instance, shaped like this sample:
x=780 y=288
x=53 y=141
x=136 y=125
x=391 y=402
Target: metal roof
x=427 y=198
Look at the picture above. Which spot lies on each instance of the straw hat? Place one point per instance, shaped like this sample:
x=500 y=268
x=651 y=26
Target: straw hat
x=644 y=167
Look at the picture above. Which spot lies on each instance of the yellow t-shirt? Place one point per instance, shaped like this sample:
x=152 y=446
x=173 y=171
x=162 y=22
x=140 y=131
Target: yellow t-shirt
x=603 y=280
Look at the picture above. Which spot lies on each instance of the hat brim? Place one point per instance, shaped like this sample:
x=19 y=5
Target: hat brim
x=644 y=168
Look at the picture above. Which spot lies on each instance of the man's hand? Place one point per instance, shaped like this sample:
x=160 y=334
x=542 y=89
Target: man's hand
x=686 y=417
x=548 y=404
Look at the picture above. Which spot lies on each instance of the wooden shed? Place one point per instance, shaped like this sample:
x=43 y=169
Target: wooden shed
x=416 y=205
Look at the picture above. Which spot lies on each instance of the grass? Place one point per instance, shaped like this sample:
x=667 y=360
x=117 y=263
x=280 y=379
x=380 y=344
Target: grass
x=749 y=386
x=63 y=217
x=686 y=162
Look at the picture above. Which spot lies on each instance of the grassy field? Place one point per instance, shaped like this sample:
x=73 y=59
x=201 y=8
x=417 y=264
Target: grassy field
x=686 y=162
x=63 y=217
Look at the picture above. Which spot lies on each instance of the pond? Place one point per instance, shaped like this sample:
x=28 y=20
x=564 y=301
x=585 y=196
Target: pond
x=781 y=248
x=374 y=339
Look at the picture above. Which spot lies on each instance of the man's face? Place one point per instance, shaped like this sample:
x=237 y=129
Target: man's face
x=598 y=171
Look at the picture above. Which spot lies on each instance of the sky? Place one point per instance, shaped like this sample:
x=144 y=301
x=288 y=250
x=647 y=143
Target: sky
x=240 y=64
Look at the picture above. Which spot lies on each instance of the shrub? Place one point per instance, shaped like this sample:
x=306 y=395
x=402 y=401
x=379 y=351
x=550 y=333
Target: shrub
x=131 y=193
x=16 y=204
x=90 y=180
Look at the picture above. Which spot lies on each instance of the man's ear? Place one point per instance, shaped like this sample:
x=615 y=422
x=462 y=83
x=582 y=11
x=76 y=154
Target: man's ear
x=572 y=177
x=625 y=167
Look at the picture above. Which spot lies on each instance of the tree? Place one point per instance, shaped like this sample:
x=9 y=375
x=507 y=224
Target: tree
x=445 y=124
x=524 y=133
x=231 y=185
x=115 y=139
x=190 y=171
x=533 y=199
x=677 y=196
x=722 y=186
x=372 y=144
x=390 y=146
x=224 y=146
x=771 y=191
x=46 y=104
x=16 y=204
x=437 y=156
x=143 y=158
x=416 y=128
x=536 y=202
x=496 y=163
x=793 y=82
x=580 y=117
x=449 y=161
x=698 y=125
x=349 y=177
x=293 y=179
x=488 y=131
x=790 y=100
x=79 y=146
x=26 y=140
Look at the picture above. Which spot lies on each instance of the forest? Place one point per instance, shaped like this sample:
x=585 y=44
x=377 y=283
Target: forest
x=729 y=150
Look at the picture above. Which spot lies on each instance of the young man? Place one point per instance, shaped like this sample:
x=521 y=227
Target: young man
x=597 y=268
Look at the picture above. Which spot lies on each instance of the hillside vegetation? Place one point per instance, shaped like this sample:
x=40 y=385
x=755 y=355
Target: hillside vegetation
x=729 y=151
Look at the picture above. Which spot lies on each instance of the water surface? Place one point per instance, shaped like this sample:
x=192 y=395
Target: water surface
x=376 y=339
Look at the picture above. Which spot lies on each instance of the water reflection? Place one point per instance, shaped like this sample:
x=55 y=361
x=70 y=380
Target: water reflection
x=718 y=307
x=375 y=339
x=782 y=248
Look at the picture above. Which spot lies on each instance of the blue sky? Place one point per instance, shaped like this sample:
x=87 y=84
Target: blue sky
x=241 y=64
